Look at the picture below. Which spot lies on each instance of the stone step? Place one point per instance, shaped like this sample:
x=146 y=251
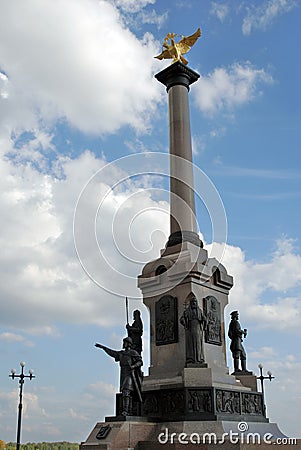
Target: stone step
x=149 y=445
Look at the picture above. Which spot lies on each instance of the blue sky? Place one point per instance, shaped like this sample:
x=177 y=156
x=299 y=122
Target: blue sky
x=77 y=92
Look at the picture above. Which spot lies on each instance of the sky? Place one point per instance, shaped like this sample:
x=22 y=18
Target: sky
x=84 y=191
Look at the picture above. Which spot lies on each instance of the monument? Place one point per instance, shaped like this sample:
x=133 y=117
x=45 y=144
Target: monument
x=189 y=389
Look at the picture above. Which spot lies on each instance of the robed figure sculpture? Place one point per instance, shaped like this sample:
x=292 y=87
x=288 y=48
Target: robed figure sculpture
x=194 y=323
x=135 y=331
x=130 y=373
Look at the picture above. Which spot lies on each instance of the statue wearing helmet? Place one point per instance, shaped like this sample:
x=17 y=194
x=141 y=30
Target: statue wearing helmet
x=130 y=373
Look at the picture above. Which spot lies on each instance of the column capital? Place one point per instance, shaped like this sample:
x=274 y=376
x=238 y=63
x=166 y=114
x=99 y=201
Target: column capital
x=177 y=74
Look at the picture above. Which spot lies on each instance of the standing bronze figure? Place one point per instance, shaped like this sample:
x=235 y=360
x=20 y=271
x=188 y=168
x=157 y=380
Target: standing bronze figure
x=135 y=331
x=130 y=373
x=194 y=322
x=236 y=334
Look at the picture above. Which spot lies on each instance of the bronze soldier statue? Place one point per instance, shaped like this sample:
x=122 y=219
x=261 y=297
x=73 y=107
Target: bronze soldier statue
x=194 y=322
x=236 y=334
x=130 y=373
x=135 y=331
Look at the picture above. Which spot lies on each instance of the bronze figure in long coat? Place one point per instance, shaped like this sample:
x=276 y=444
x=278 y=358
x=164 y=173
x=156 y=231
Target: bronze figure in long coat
x=194 y=322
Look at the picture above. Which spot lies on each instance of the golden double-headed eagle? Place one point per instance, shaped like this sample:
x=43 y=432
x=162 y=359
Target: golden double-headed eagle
x=174 y=50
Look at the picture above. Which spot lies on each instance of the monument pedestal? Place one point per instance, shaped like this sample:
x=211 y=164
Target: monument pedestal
x=197 y=395
x=137 y=434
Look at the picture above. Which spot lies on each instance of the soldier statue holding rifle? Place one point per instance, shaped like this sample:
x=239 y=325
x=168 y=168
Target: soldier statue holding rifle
x=130 y=373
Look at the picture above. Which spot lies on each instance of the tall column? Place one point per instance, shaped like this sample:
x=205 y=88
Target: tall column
x=183 y=227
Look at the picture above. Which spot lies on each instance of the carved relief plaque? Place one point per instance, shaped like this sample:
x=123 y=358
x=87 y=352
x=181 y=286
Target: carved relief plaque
x=200 y=400
x=252 y=404
x=173 y=402
x=227 y=402
x=166 y=320
x=213 y=331
x=150 y=405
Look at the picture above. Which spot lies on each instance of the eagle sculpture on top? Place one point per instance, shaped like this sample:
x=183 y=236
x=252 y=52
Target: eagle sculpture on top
x=174 y=50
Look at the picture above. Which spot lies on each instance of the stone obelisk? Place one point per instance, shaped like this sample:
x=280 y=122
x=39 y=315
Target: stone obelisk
x=184 y=270
x=183 y=227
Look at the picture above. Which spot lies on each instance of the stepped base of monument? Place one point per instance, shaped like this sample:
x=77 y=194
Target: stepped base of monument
x=196 y=404
x=131 y=433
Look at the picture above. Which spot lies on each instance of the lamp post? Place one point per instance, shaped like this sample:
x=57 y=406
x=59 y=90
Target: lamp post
x=21 y=377
x=262 y=378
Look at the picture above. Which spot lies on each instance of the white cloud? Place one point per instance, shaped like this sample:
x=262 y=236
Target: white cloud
x=76 y=415
x=4 y=86
x=41 y=278
x=228 y=88
x=53 y=423
x=8 y=402
x=220 y=10
x=283 y=393
x=262 y=16
x=12 y=338
x=101 y=388
x=266 y=289
x=136 y=12
x=201 y=142
x=263 y=353
x=198 y=144
x=132 y=6
x=153 y=18
x=76 y=61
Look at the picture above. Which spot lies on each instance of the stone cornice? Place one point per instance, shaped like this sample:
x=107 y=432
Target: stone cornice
x=177 y=74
